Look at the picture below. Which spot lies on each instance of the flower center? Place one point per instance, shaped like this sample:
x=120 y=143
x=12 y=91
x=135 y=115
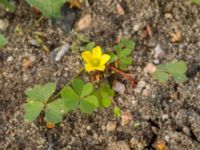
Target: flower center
x=95 y=62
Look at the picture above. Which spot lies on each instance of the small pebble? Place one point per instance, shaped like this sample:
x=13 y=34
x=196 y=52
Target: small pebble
x=119 y=88
x=9 y=59
x=150 y=68
x=35 y=43
x=62 y=51
x=158 y=51
x=126 y=117
x=111 y=126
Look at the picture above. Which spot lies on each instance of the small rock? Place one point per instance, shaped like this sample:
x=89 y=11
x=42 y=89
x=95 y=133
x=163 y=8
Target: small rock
x=35 y=43
x=62 y=51
x=111 y=126
x=137 y=27
x=186 y=130
x=165 y=117
x=84 y=22
x=120 y=10
x=119 y=88
x=120 y=145
x=168 y=16
x=150 y=68
x=158 y=51
x=4 y=24
x=146 y=92
x=126 y=117
x=141 y=84
x=9 y=59
x=156 y=61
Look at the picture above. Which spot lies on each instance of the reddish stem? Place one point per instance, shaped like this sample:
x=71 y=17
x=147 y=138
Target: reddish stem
x=125 y=75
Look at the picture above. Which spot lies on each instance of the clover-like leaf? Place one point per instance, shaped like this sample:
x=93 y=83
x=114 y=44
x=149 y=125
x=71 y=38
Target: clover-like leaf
x=130 y=44
x=32 y=110
x=49 y=8
x=90 y=46
x=176 y=67
x=41 y=93
x=106 y=101
x=3 y=40
x=48 y=89
x=126 y=61
x=89 y=104
x=55 y=110
x=104 y=95
x=179 y=78
x=113 y=58
x=86 y=90
x=77 y=85
x=161 y=76
x=35 y=93
x=125 y=52
x=162 y=67
x=117 y=112
x=71 y=99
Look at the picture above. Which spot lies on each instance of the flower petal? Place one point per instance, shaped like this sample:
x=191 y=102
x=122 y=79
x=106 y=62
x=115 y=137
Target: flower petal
x=101 y=68
x=87 y=56
x=89 y=68
x=97 y=52
x=104 y=59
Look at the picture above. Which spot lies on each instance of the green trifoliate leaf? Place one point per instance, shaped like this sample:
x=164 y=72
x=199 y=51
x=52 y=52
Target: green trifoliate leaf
x=105 y=94
x=90 y=46
x=48 y=89
x=126 y=60
x=177 y=67
x=32 y=110
x=55 y=110
x=162 y=67
x=113 y=58
x=77 y=85
x=161 y=76
x=49 y=8
x=128 y=43
x=3 y=41
x=117 y=111
x=122 y=66
x=179 y=78
x=86 y=90
x=41 y=93
x=35 y=93
x=106 y=101
x=125 y=52
x=71 y=99
x=89 y=104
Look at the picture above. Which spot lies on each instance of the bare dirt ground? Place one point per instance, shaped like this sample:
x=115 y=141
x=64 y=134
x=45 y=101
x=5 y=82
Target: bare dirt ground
x=168 y=113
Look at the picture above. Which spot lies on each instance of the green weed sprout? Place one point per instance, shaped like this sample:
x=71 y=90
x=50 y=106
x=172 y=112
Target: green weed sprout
x=175 y=69
x=3 y=41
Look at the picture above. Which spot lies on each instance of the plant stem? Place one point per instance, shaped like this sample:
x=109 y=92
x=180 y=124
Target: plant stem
x=67 y=84
x=125 y=75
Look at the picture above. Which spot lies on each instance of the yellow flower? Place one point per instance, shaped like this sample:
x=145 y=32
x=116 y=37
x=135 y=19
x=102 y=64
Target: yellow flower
x=95 y=60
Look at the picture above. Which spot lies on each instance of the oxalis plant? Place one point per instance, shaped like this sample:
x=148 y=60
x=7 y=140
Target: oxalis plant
x=77 y=94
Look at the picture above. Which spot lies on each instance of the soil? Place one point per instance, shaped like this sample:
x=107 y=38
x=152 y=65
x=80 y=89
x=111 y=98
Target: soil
x=166 y=114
